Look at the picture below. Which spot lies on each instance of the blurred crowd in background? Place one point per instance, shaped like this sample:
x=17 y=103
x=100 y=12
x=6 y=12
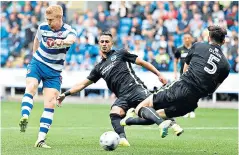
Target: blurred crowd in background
x=152 y=30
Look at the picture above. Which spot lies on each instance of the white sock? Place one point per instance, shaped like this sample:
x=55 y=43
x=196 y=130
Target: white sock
x=45 y=123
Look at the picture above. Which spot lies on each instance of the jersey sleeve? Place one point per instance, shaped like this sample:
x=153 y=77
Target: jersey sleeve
x=177 y=54
x=94 y=75
x=70 y=30
x=189 y=56
x=129 y=57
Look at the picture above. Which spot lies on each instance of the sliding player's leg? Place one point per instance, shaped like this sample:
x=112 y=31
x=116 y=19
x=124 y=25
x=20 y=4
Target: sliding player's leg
x=132 y=119
x=145 y=110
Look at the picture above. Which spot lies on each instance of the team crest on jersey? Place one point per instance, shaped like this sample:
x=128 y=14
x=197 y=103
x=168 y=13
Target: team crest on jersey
x=113 y=58
x=45 y=39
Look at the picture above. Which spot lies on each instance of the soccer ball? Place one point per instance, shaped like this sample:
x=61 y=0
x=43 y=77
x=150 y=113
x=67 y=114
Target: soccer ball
x=109 y=140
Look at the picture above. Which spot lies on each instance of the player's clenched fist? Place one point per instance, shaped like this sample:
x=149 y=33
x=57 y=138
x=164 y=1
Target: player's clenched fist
x=163 y=79
x=60 y=98
x=59 y=42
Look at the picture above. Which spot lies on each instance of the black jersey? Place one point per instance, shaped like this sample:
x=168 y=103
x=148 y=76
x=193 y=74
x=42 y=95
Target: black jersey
x=208 y=68
x=181 y=53
x=116 y=70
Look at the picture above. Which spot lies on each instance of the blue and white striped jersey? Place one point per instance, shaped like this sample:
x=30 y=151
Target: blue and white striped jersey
x=54 y=56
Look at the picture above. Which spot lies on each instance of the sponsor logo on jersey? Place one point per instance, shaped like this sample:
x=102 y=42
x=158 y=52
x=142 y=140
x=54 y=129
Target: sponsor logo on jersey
x=107 y=68
x=184 y=55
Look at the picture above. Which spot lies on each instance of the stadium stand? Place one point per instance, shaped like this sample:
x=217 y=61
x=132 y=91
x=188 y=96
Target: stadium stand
x=140 y=26
x=152 y=30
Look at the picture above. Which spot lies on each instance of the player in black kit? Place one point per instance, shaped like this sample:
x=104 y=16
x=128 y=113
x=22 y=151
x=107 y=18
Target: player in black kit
x=115 y=68
x=206 y=68
x=181 y=54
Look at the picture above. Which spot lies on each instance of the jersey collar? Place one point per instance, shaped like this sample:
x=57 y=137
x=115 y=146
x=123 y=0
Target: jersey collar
x=186 y=47
x=216 y=45
x=108 y=54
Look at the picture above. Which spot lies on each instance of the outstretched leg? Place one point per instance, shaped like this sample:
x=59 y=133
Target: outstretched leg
x=145 y=110
x=27 y=102
x=132 y=119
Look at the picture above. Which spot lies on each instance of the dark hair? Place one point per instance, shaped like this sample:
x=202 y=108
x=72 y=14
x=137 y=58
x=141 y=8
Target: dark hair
x=217 y=33
x=106 y=33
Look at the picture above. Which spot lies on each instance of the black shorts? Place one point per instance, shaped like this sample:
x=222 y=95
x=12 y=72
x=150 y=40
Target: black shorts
x=177 y=99
x=133 y=99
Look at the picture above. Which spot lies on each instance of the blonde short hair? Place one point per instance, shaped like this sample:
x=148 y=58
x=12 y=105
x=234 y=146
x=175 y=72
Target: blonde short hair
x=54 y=10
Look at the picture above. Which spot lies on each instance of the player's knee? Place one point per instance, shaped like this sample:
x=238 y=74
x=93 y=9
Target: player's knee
x=148 y=102
x=161 y=113
x=117 y=110
x=138 y=108
x=31 y=88
x=50 y=103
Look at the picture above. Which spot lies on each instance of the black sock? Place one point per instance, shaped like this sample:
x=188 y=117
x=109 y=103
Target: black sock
x=115 y=121
x=150 y=114
x=141 y=121
x=138 y=121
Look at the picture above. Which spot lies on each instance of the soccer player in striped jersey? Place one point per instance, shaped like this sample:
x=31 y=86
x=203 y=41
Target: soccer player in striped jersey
x=53 y=39
x=115 y=68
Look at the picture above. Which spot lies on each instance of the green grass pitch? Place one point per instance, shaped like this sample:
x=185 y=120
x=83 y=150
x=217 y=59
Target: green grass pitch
x=76 y=130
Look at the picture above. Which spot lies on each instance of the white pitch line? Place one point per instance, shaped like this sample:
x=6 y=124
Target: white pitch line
x=132 y=128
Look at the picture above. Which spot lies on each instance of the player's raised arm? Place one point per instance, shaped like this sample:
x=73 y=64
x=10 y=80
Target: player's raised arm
x=37 y=40
x=76 y=88
x=35 y=44
x=71 y=38
x=151 y=68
